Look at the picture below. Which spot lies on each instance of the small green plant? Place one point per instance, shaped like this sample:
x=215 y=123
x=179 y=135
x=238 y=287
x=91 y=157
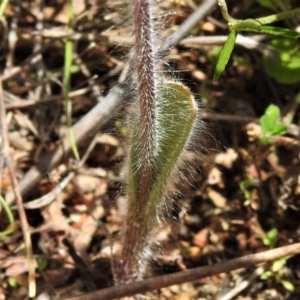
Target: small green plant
x=12 y=281
x=254 y=25
x=286 y=68
x=270 y=239
x=246 y=186
x=276 y=272
x=276 y=268
x=42 y=264
x=270 y=124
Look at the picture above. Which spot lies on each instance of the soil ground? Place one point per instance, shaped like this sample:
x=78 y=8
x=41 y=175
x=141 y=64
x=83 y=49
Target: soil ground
x=235 y=191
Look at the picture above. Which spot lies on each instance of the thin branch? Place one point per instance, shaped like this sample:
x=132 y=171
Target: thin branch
x=187 y=25
x=244 y=41
x=17 y=195
x=190 y=275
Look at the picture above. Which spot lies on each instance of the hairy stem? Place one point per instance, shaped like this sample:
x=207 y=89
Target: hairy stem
x=146 y=94
x=161 y=129
x=143 y=148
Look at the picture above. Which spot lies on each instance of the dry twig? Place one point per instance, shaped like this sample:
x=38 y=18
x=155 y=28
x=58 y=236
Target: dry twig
x=190 y=275
x=17 y=195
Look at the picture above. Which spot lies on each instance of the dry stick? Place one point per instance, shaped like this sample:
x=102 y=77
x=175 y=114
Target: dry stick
x=18 y=197
x=89 y=125
x=187 y=25
x=238 y=288
x=247 y=42
x=190 y=275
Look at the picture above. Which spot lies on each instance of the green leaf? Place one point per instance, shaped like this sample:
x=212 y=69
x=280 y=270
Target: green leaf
x=225 y=54
x=266 y=275
x=279 y=31
x=42 y=263
x=269 y=122
x=269 y=119
x=286 y=68
x=266 y=241
x=175 y=123
x=278 y=264
x=273 y=234
x=271 y=238
x=287 y=285
x=12 y=281
x=176 y=113
x=245 y=185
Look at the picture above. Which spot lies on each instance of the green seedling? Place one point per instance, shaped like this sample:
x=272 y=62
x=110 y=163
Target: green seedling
x=253 y=25
x=285 y=68
x=276 y=273
x=245 y=187
x=271 y=237
x=12 y=281
x=9 y=216
x=42 y=264
x=270 y=124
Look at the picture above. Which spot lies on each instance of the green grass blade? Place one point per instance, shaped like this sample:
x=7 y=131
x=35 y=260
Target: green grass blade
x=67 y=80
x=10 y=218
x=225 y=54
x=280 y=31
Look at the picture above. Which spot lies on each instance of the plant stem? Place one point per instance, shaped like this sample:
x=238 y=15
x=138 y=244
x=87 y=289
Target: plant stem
x=232 y=22
x=143 y=147
x=279 y=16
x=67 y=78
x=146 y=94
x=162 y=127
x=224 y=10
